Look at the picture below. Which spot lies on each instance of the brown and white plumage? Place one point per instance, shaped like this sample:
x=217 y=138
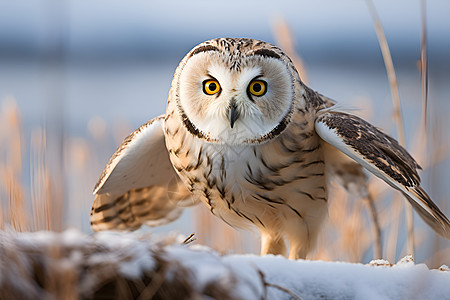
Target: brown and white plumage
x=128 y=193
x=255 y=145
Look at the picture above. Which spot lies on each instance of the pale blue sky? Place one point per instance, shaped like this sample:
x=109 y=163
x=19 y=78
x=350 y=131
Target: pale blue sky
x=139 y=27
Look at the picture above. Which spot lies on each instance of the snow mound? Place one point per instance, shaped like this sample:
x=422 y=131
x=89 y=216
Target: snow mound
x=108 y=265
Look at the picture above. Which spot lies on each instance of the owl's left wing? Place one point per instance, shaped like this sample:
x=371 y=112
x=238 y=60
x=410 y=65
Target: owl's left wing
x=382 y=156
x=139 y=184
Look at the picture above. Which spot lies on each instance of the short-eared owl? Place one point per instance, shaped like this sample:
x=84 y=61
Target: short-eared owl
x=246 y=137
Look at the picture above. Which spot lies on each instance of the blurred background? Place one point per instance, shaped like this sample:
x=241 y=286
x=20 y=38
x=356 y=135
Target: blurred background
x=77 y=76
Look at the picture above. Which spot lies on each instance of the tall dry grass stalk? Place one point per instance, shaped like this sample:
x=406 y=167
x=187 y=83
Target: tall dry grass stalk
x=40 y=181
x=397 y=108
x=12 y=192
x=28 y=209
x=424 y=63
x=285 y=39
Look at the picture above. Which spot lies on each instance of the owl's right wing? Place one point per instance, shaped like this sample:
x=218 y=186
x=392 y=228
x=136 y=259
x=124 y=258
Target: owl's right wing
x=139 y=185
x=382 y=156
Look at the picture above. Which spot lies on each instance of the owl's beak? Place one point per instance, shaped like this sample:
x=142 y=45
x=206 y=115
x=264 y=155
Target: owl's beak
x=234 y=114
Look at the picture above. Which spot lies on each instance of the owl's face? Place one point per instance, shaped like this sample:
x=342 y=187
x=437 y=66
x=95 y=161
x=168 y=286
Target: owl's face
x=234 y=94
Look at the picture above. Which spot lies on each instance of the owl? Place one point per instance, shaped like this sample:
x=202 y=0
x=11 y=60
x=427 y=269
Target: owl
x=243 y=135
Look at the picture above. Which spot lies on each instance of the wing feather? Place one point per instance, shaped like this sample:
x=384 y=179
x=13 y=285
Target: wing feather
x=384 y=157
x=138 y=185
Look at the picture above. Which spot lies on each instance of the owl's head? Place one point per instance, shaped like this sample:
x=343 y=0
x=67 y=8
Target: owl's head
x=235 y=91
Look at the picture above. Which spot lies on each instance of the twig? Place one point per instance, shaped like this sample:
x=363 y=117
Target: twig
x=287 y=291
x=291 y=293
x=377 y=245
x=191 y=238
x=397 y=109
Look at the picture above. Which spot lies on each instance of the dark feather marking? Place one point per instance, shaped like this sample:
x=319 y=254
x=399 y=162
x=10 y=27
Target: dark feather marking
x=249 y=169
x=298 y=160
x=140 y=202
x=298 y=214
x=107 y=219
x=303 y=124
x=207 y=195
x=123 y=210
x=189 y=168
x=236 y=212
x=222 y=168
x=314 y=99
x=269 y=185
x=178 y=150
x=260 y=221
x=306 y=194
x=278 y=201
x=306 y=135
x=191 y=127
x=199 y=158
x=248 y=218
x=176 y=130
x=311 y=149
x=223 y=219
x=271 y=168
x=204 y=49
x=241 y=214
x=110 y=205
x=286 y=148
x=211 y=182
x=143 y=213
x=316 y=162
x=315 y=174
x=276 y=131
x=266 y=53
x=209 y=164
x=221 y=190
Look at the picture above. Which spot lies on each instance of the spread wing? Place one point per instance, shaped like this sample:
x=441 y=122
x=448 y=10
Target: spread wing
x=138 y=185
x=384 y=157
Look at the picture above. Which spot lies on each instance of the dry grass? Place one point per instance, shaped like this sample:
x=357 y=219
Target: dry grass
x=388 y=63
x=36 y=204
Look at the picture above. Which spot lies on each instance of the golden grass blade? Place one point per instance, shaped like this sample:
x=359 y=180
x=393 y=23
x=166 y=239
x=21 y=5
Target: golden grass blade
x=397 y=108
x=376 y=228
x=284 y=39
x=424 y=64
x=40 y=198
x=11 y=168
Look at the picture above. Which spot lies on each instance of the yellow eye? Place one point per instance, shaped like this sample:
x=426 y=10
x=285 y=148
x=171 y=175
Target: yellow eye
x=211 y=87
x=257 y=87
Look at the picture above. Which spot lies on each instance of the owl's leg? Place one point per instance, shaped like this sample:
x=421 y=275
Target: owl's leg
x=272 y=244
x=303 y=235
x=297 y=251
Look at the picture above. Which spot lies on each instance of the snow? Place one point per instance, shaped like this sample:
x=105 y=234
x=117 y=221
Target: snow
x=204 y=272
x=336 y=280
